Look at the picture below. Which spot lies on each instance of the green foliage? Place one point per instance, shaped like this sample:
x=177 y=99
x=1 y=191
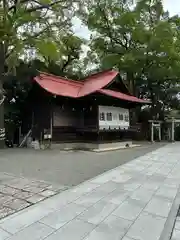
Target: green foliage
x=34 y=29
x=28 y=25
x=16 y=90
x=17 y=87
x=143 y=41
x=47 y=48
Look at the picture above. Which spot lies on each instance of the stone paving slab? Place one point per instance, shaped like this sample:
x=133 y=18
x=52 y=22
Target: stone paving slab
x=176 y=230
x=61 y=217
x=147 y=227
x=76 y=229
x=17 y=193
x=127 y=203
x=111 y=228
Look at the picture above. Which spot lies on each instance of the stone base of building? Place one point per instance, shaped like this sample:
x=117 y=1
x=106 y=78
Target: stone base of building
x=96 y=147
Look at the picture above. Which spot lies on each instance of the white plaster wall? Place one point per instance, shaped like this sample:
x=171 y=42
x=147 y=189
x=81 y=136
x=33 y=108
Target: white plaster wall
x=115 y=123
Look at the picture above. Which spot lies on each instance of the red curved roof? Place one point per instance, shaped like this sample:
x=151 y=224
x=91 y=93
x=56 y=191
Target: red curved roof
x=123 y=96
x=70 y=88
x=97 y=82
x=76 y=89
x=58 y=85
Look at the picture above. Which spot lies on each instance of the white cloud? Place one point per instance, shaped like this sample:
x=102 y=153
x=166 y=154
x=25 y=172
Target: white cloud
x=173 y=6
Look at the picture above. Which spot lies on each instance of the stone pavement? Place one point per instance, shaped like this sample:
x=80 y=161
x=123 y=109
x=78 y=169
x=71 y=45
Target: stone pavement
x=130 y=202
x=17 y=193
x=176 y=230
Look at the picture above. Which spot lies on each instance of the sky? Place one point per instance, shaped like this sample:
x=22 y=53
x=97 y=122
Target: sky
x=173 y=6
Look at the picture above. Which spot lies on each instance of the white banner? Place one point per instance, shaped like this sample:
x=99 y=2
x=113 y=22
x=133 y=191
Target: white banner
x=113 y=117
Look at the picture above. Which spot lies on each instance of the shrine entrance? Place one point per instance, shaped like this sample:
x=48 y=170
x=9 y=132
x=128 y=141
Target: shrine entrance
x=170 y=128
x=156 y=125
x=167 y=127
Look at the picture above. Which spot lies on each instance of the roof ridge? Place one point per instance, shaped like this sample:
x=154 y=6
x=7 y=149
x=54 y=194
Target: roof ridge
x=63 y=78
x=99 y=73
x=106 y=91
x=65 y=87
x=93 y=76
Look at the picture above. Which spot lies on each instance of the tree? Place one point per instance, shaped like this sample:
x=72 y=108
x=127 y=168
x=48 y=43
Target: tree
x=17 y=88
x=143 y=42
x=68 y=62
x=32 y=26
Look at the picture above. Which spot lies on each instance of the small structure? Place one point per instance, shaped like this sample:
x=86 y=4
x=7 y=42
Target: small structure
x=156 y=124
x=169 y=127
x=171 y=124
x=89 y=112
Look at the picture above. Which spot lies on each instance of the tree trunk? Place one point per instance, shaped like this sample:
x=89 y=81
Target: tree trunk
x=132 y=90
x=2 y=64
x=153 y=100
x=2 y=130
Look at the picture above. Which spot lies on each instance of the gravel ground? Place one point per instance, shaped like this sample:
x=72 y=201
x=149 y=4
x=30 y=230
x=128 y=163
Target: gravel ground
x=66 y=168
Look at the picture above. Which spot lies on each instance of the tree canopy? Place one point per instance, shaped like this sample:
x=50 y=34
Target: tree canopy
x=43 y=27
x=141 y=41
x=37 y=28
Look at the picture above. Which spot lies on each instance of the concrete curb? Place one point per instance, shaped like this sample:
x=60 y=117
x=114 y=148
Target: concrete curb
x=100 y=150
x=115 y=148
x=169 y=225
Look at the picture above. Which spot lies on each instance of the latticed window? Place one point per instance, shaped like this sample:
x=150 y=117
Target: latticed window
x=126 y=118
x=102 y=116
x=109 y=116
x=121 y=117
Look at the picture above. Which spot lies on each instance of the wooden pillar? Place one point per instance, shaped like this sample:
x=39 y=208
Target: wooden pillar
x=152 y=132
x=172 y=133
x=97 y=124
x=51 y=125
x=2 y=129
x=169 y=133
x=159 y=132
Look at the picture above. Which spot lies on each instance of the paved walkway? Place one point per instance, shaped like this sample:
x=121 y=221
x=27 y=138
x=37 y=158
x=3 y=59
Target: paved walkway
x=132 y=202
x=176 y=230
x=17 y=193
